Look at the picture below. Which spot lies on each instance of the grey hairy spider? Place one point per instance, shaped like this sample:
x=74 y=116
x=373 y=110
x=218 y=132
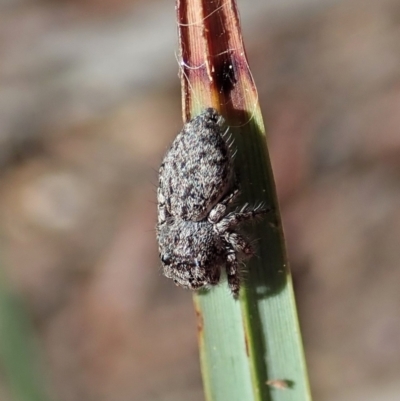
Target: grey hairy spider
x=195 y=232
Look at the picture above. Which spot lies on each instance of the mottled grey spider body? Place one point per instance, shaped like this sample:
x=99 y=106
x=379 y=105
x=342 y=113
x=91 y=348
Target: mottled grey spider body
x=195 y=232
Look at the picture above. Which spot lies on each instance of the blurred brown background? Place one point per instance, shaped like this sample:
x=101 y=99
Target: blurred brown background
x=89 y=101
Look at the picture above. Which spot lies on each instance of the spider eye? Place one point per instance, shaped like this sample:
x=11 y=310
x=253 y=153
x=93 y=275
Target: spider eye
x=166 y=259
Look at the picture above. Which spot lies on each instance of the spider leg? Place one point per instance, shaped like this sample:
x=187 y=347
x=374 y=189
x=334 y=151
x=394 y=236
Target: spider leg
x=231 y=197
x=219 y=210
x=162 y=208
x=233 y=219
x=238 y=244
x=232 y=272
x=235 y=244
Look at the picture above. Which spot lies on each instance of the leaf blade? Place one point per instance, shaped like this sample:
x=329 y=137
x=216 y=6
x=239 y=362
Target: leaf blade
x=245 y=346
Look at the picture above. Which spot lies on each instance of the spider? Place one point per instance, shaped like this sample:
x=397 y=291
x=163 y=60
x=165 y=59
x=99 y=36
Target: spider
x=195 y=230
